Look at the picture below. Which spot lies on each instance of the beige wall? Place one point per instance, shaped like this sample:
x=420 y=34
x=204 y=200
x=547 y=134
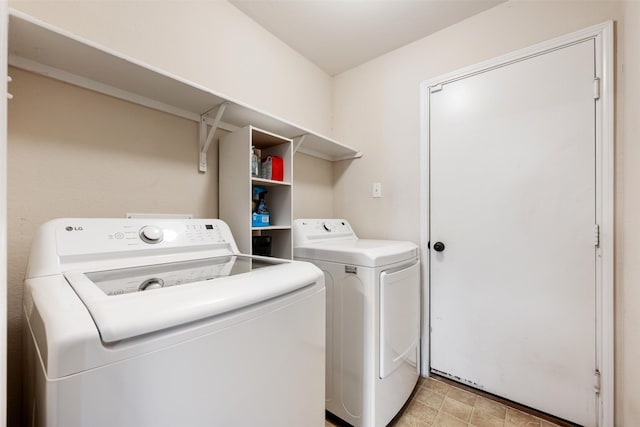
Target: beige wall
x=376 y=109
x=73 y=152
x=313 y=189
x=627 y=236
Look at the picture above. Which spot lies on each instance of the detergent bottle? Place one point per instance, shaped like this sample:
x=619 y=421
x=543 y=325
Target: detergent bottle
x=258 y=197
x=260 y=215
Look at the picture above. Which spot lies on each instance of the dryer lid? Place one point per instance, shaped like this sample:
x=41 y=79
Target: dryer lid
x=363 y=252
x=126 y=303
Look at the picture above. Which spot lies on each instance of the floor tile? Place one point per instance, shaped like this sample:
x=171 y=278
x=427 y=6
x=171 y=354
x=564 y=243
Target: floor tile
x=408 y=420
x=527 y=424
x=490 y=407
x=457 y=409
x=462 y=396
x=520 y=419
x=421 y=411
x=444 y=420
x=429 y=397
x=435 y=385
x=484 y=419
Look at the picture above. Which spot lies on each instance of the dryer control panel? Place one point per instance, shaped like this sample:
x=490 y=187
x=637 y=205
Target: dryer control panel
x=313 y=230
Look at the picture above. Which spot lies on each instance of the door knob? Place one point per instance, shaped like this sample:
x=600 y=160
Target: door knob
x=438 y=247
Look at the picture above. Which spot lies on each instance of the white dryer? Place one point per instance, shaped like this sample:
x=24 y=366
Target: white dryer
x=149 y=323
x=373 y=319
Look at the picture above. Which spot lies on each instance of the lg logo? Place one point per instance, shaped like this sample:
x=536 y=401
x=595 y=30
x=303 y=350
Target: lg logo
x=69 y=228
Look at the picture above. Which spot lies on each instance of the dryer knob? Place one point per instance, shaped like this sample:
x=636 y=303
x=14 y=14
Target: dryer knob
x=151 y=234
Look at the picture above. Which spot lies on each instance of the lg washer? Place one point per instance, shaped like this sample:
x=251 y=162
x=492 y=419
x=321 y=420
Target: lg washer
x=150 y=323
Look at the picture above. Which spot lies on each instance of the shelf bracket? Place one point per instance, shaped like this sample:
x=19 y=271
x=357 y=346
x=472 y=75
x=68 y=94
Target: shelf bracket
x=297 y=142
x=207 y=137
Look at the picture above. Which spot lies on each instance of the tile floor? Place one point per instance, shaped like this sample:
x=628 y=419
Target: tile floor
x=438 y=404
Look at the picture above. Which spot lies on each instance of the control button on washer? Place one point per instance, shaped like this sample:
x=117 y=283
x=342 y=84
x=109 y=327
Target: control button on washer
x=119 y=235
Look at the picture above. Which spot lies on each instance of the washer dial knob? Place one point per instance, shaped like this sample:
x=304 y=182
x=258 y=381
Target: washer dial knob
x=151 y=234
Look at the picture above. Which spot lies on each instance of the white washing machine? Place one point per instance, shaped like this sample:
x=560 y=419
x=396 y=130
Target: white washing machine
x=149 y=323
x=373 y=319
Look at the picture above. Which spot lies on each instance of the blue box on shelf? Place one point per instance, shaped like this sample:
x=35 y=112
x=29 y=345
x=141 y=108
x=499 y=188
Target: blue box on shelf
x=259 y=220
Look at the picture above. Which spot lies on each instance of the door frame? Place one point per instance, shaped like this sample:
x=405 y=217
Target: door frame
x=602 y=34
x=4 y=36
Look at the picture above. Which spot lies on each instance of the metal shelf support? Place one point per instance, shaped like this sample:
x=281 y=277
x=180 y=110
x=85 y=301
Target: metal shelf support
x=297 y=142
x=207 y=137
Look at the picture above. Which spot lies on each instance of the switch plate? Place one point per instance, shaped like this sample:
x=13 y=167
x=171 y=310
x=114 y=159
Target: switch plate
x=377 y=190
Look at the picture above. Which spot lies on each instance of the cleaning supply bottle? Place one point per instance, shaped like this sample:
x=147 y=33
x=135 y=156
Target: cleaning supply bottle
x=255 y=164
x=258 y=198
x=260 y=216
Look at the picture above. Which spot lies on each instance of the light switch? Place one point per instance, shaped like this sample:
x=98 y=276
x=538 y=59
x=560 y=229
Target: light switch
x=377 y=190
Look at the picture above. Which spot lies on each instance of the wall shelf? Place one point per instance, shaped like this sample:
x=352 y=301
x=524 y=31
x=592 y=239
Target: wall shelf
x=268 y=182
x=272 y=227
x=39 y=47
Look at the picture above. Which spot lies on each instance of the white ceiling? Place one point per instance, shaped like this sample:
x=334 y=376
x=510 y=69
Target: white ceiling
x=338 y=35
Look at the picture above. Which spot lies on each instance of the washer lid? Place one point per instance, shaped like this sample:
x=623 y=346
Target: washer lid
x=363 y=252
x=125 y=303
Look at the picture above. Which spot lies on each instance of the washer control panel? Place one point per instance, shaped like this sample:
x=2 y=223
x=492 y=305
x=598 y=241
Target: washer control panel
x=95 y=235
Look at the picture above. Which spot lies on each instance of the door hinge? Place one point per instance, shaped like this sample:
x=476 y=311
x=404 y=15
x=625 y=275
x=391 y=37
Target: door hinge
x=9 y=80
x=596 y=381
x=596 y=88
x=596 y=235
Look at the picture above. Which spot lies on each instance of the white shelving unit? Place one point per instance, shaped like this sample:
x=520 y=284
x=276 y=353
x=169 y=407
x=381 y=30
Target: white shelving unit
x=39 y=47
x=236 y=189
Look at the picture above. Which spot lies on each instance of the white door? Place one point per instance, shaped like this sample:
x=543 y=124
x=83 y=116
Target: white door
x=512 y=199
